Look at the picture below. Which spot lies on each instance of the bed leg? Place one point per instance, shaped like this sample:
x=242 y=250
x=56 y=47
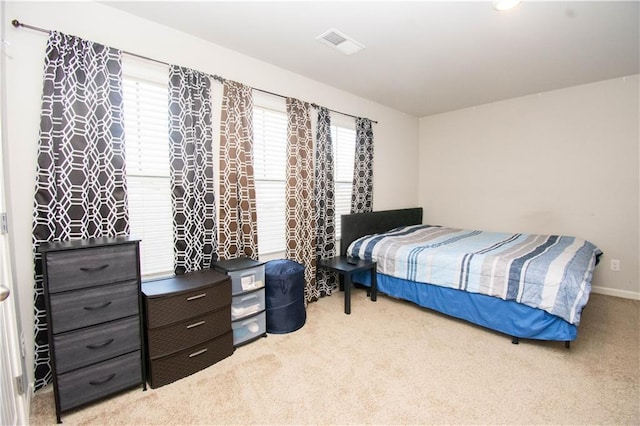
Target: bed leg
x=567 y=344
x=515 y=340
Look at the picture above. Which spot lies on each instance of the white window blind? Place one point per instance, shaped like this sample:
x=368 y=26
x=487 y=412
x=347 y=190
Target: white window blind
x=270 y=146
x=145 y=90
x=270 y=151
x=344 y=146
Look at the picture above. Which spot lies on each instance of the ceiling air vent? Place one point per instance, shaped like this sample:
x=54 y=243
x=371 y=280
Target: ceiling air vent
x=340 y=41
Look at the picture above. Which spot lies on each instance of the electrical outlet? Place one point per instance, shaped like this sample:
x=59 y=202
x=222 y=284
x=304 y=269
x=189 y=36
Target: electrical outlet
x=615 y=264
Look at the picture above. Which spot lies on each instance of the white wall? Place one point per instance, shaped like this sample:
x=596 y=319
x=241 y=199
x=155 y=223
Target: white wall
x=396 y=134
x=560 y=162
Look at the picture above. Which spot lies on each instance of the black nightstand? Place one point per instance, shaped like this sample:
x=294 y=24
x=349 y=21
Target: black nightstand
x=345 y=267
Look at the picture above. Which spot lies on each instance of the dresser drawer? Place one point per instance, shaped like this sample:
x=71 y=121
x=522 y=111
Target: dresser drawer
x=247 y=304
x=167 y=310
x=76 y=309
x=247 y=279
x=173 y=367
x=72 y=269
x=87 y=346
x=167 y=340
x=249 y=328
x=90 y=383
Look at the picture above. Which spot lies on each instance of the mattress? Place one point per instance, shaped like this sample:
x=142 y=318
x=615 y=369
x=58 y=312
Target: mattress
x=548 y=272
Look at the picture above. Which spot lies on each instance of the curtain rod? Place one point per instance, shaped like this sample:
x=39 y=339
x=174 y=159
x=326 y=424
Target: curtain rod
x=19 y=24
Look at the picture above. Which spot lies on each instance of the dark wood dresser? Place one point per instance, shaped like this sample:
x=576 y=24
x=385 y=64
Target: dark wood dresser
x=188 y=324
x=93 y=302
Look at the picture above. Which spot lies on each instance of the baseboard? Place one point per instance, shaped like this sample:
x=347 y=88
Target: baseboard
x=617 y=293
x=23 y=405
x=30 y=393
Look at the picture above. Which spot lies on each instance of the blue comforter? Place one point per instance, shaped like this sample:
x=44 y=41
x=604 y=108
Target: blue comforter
x=547 y=272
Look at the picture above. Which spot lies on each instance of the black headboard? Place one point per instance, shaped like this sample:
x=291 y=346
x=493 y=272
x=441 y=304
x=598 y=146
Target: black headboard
x=358 y=225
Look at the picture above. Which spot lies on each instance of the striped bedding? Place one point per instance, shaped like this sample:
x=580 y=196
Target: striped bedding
x=548 y=272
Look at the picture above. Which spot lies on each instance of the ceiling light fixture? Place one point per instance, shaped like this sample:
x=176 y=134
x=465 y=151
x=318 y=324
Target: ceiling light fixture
x=505 y=4
x=340 y=41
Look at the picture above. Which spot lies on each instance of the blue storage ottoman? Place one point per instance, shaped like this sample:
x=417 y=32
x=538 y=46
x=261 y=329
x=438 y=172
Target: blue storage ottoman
x=284 y=294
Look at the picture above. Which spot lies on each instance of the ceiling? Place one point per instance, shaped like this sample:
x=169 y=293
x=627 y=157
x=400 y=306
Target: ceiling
x=422 y=58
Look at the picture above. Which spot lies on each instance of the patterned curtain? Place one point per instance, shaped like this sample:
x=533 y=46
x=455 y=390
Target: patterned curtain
x=80 y=177
x=324 y=192
x=300 y=206
x=238 y=221
x=191 y=165
x=362 y=192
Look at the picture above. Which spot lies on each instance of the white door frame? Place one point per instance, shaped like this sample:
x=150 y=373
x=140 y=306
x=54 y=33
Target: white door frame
x=14 y=390
x=14 y=394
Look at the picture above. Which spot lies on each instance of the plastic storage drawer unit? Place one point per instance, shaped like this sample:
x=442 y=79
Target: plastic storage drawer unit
x=248 y=299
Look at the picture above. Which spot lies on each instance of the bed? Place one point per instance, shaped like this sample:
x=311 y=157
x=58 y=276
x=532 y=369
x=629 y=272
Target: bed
x=523 y=285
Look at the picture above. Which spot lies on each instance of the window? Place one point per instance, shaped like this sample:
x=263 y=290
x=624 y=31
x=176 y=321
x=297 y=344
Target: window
x=344 y=147
x=270 y=150
x=270 y=157
x=145 y=89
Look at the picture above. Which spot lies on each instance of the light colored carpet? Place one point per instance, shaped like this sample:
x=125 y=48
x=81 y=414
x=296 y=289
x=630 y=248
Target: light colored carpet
x=391 y=362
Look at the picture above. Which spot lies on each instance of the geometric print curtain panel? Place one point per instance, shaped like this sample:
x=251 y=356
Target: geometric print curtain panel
x=238 y=219
x=80 y=178
x=362 y=191
x=325 y=201
x=299 y=201
x=191 y=167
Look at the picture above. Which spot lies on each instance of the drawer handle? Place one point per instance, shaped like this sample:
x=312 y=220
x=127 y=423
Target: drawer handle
x=200 y=352
x=197 y=324
x=103 y=381
x=96 y=269
x=100 y=345
x=253 y=296
x=199 y=296
x=93 y=308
